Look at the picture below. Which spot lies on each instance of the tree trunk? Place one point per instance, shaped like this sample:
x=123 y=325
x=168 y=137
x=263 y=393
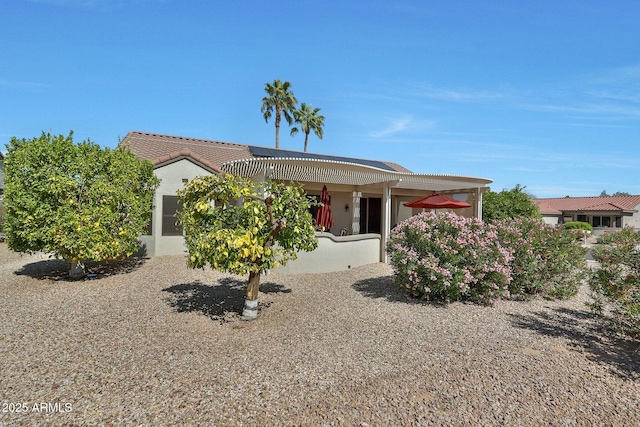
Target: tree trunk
x=250 y=310
x=277 y=127
x=306 y=138
x=77 y=269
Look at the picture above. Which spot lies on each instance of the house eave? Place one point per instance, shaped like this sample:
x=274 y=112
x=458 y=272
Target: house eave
x=340 y=172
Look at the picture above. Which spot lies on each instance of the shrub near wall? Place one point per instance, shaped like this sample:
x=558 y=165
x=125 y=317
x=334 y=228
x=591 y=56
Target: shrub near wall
x=447 y=257
x=547 y=260
x=616 y=281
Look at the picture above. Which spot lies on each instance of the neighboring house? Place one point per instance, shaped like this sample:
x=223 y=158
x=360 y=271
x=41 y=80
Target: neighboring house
x=605 y=213
x=366 y=195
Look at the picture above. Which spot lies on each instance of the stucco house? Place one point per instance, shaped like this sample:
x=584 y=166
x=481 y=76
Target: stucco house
x=604 y=213
x=366 y=195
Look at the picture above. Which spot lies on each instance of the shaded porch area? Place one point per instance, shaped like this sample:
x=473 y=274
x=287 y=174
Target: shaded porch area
x=365 y=200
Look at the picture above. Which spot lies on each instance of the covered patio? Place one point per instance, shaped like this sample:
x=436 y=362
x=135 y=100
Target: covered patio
x=367 y=201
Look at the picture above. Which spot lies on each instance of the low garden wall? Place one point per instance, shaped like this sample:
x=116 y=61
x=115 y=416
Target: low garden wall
x=336 y=253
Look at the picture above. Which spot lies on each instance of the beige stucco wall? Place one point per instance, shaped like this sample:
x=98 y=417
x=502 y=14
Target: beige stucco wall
x=171 y=177
x=634 y=220
x=551 y=219
x=341 y=217
x=336 y=254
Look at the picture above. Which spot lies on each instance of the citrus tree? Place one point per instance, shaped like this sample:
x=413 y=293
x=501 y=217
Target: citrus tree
x=76 y=201
x=243 y=227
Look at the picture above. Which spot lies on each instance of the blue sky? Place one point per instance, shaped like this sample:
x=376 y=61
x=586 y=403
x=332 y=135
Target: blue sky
x=544 y=94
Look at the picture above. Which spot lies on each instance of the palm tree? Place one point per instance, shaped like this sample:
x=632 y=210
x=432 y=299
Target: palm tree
x=281 y=100
x=309 y=119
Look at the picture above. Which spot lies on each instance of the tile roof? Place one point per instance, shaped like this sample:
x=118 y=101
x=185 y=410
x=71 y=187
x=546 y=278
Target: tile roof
x=155 y=147
x=545 y=207
x=163 y=148
x=573 y=204
x=178 y=155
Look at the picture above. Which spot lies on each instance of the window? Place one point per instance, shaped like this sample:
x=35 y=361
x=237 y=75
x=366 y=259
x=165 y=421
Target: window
x=601 y=221
x=619 y=222
x=582 y=218
x=170 y=207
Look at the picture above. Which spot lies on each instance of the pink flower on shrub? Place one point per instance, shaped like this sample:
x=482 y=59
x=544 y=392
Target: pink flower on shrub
x=454 y=257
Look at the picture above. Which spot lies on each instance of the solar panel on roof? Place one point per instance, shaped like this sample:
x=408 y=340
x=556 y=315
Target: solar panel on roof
x=272 y=152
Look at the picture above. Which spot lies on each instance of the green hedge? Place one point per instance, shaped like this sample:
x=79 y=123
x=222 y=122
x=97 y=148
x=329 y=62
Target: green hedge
x=2 y=214
x=578 y=225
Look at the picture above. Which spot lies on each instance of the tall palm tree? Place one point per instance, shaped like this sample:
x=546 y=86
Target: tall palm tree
x=281 y=100
x=309 y=119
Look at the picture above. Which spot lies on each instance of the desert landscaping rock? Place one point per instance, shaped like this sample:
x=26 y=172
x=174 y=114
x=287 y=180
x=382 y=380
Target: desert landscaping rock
x=154 y=343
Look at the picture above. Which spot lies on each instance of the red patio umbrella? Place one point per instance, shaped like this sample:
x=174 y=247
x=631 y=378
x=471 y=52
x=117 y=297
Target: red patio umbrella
x=324 y=217
x=437 y=201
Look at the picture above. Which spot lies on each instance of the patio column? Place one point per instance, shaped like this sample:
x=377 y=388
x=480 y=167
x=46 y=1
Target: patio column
x=386 y=221
x=355 y=213
x=478 y=209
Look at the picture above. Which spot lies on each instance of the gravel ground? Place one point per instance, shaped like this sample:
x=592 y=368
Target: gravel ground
x=150 y=342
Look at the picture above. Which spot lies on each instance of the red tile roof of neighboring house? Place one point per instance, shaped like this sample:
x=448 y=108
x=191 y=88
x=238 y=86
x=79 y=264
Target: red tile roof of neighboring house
x=162 y=148
x=546 y=208
x=592 y=204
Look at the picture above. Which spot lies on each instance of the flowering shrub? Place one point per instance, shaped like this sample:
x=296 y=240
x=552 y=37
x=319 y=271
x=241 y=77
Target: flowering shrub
x=547 y=260
x=615 y=283
x=447 y=257
x=524 y=237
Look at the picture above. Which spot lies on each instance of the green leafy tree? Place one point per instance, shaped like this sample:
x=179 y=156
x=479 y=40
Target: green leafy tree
x=309 y=119
x=242 y=227
x=514 y=203
x=617 y=193
x=281 y=101
x=76 y=201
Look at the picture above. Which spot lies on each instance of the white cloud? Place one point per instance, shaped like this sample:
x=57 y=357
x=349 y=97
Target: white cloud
x=546 y=191
x=394 y=127
x=612 y=94
x=20 y=84
x=457 y=95
x=599 y=109
x=96 y=3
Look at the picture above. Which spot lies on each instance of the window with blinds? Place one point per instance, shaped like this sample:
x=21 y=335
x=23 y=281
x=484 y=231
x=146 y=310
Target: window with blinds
x=170 y=207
